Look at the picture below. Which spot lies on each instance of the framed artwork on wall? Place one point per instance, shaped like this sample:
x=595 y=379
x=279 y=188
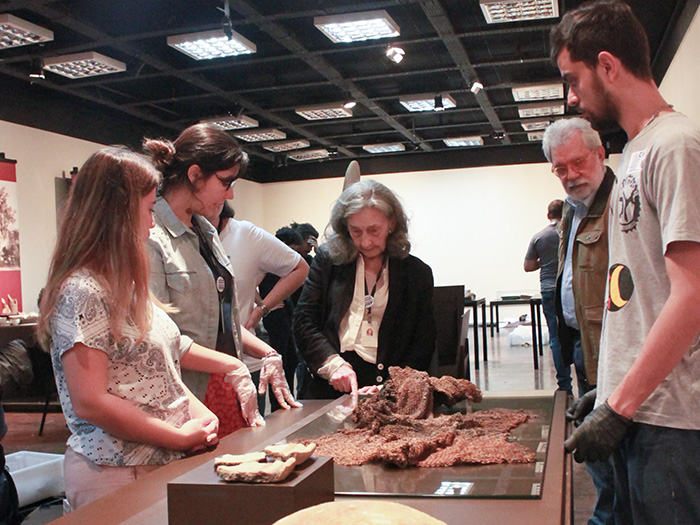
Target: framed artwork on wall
x=10 y=275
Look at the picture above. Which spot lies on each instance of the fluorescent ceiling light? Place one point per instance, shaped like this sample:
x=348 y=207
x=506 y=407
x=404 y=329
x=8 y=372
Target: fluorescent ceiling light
x=538 y=91
x=212 y=44
x=82 y=65
x=426 y=102
x=15 y=32
x=286 y=145
x=388 y=147
x=356 y=27
x=311 y=154
x=230 y=122
x=325 y=111
x=259 y=135
x=498 y=11
x=534 y=136
x=544 y=109
x=458 y=142
x=535 y=125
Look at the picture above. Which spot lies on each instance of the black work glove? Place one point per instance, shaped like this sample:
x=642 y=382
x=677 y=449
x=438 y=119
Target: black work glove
x=581 y=407
x=599 y=434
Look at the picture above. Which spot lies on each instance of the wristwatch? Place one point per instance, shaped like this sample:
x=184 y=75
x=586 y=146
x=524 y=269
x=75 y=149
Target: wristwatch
x=265 y=309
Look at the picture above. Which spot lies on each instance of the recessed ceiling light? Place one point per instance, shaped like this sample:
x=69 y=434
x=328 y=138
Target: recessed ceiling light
x=259 y=135
x=534 y=136
x=426 y=102
x=543 y=109
x=535 y=125
x=538 y=91
x=212 y=44
x=325 y=111
x=230 y=122
x=82 y=65
x=498 y=11
x=286 y=145
x=458 y=142
x=388 y=147
x=15 y=32
x=311 y=154
x=356 y=27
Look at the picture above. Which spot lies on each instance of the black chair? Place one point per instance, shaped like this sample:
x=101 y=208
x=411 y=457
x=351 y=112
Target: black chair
x=452 y=357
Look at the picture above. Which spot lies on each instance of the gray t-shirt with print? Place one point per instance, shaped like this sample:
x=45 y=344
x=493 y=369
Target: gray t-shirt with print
x=656 y=202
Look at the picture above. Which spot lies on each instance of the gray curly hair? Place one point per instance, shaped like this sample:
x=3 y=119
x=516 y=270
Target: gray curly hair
x=355 y=198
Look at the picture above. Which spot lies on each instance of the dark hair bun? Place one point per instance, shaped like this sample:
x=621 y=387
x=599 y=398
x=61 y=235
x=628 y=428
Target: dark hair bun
x=162 y=151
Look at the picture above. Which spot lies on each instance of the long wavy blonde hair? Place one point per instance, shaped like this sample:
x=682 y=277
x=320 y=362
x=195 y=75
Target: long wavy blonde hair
x=100 y=232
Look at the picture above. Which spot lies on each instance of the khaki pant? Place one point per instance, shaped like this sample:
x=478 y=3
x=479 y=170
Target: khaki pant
x=87 y=481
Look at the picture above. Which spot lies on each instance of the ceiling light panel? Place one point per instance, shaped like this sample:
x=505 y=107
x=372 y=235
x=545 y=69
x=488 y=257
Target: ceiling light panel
x=535 y=125
x=260 y=135
x=535 y=136
x=499 y=11
x=388 y=147
x=356 y=27
x=541 y=110
x=311 y=154
x=15 y=32
x=325 y=111
x=286 y=145
x=426 y=102
x=229 y=123
x=459 y=142
x=206 y=45
x=83 y=65
x=538 y=92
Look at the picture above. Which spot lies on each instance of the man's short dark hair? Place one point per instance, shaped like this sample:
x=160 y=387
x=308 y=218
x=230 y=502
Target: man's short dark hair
x=603 y=25
x=289 y=236
x=554 y=209
x=305 y=230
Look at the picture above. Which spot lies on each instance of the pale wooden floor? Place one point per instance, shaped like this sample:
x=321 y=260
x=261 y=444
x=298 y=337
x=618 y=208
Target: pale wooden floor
x=508 y=368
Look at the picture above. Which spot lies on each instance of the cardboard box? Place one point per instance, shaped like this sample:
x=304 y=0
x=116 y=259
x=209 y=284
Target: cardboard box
x=37 y=475
x=201 y=497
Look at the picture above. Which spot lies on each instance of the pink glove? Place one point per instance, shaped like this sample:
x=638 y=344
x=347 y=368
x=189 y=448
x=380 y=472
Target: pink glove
x=272 y=373
x=245 y=390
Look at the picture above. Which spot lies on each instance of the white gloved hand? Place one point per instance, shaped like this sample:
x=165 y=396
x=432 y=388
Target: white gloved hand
x=245 y=390
x=272 y=373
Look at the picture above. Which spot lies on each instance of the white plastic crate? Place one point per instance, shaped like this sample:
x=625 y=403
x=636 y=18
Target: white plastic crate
x=37 y=475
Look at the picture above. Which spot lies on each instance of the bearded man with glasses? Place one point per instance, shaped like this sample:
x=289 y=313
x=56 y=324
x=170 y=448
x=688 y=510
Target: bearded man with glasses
x=577 y=156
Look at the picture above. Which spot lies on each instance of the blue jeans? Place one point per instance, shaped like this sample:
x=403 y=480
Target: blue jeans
x=657 y=475
x=581 y=380
x=550 y=315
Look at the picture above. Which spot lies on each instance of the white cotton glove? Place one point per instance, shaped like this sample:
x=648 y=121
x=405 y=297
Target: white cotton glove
x=245 y=390
x=272 y=373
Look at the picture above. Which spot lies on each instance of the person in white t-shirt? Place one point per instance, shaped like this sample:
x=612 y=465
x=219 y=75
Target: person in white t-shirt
x=253 y=253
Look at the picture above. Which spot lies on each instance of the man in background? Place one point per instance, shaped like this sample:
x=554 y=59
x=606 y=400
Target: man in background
x=542 y=255
x=646 y=413
x=577 y=155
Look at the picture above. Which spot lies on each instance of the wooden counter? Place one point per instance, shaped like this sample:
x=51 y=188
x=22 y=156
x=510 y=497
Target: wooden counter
x=145 y=500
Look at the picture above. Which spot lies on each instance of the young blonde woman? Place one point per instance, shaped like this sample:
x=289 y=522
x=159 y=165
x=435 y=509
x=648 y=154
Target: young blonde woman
x=116 y=354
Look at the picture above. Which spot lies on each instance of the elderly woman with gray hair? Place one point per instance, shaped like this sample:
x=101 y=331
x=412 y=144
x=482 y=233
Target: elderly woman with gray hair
x=367 y=303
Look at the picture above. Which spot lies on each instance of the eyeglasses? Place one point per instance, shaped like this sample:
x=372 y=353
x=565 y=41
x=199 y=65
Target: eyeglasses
x=577 y=165
x=227 y=182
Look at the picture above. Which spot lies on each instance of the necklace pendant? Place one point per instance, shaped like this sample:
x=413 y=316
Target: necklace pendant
x=369 y=301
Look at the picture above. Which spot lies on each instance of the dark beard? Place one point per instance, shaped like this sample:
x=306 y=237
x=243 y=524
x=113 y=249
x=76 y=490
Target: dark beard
x=607 y=118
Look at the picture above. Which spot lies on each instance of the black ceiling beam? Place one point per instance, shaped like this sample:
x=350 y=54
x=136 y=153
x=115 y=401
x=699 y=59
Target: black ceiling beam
x=321 y=65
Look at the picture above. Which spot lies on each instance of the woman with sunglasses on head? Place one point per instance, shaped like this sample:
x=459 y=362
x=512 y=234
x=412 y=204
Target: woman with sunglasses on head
x=116 y=354
x=190 y=269
x=367 y=303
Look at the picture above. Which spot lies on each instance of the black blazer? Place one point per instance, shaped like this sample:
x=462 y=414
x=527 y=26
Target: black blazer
x=407 y=334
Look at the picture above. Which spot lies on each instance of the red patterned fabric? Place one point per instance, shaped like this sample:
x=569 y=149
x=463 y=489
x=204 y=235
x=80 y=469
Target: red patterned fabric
x=222 y=400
